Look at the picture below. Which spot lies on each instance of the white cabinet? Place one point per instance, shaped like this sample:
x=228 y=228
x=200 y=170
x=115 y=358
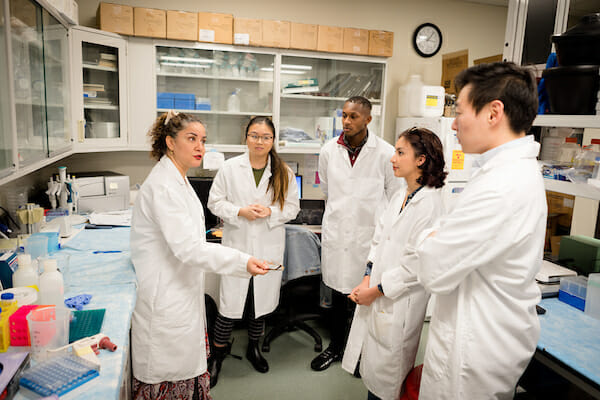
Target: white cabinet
x=99 y=90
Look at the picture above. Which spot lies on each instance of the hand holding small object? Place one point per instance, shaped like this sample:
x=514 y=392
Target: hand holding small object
x=256 y=267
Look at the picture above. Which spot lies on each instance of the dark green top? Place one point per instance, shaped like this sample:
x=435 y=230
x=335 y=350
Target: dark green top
x=258 y=173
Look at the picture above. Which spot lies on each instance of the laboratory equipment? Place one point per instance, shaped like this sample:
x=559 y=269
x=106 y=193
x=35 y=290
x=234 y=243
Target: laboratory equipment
x=8 y=266
x=31 y=215
x=85 y=323
x=48 y=329
x=13 y=365
x=23 y=295
x=573 y=291
x=102 y=191
x=592 y=299
x=18 y=327
x=233 y=102
x=89 y=347
x=58 y=375
x=36 y=246
x=51 y=284
x=25 y=275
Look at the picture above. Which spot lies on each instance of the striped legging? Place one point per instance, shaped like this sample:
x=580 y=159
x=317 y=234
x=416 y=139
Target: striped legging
x=224 y=325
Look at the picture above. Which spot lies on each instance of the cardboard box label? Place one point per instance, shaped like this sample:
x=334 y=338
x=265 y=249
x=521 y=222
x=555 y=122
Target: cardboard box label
x=206 y=35
x=241 y=38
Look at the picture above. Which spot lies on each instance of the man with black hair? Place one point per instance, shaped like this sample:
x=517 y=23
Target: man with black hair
x=358 y=180
x=481 y=258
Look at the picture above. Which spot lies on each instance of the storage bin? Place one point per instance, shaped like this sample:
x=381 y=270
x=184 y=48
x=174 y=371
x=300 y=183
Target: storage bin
x=165 y=100
x=185 y=101
x=573 y=290
x=572 y=90
x=19 y=330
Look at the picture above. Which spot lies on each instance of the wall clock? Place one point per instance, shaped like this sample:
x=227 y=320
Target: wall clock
x=427 y=40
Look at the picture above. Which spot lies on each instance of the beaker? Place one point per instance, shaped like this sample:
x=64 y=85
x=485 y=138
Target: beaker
x=48 y=329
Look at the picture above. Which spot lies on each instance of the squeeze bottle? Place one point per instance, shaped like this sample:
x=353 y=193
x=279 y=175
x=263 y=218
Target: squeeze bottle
x=51 y=284
x=25 y=275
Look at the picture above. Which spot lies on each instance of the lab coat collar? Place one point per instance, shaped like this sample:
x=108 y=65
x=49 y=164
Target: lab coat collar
x=525 y=147
x=168 y=165
x=425 y=190
x=245 y=163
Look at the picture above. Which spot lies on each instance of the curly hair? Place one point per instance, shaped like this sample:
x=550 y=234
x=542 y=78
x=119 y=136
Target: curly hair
x=168 y=124
x=426 y=143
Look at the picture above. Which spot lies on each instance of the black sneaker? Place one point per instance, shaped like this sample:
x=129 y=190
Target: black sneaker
x=325 y=359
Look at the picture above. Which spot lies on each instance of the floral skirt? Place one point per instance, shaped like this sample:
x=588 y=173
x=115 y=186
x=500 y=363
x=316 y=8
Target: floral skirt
x=189 y=389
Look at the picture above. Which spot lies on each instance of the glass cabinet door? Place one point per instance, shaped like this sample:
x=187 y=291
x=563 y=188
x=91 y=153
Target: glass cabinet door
x=99 y=86
x=56 y=59
x=313 y=91
x=28 y=70
x=225 y=88
x=6 y=160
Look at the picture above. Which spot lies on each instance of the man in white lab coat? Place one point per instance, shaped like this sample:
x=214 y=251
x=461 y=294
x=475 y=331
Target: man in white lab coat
x=358 y=181
x=481 y=258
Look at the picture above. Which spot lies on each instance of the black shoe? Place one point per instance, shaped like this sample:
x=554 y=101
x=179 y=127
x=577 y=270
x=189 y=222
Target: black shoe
x=215 y=361
x=325 y=359
x=256 y=359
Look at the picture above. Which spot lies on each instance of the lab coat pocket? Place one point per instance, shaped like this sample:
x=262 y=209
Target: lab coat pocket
x=381 y=323
x=440 y=342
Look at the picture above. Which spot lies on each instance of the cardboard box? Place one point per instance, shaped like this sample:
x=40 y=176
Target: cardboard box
x=356 y=41
x=182 y=25
x=381 y=43
x=555 y=245
x=150 y=22
x=276 y=34
x=303 y=36
x=559 y=203
x=115 y=18
x=215 y=28
x=487 y=60
x=331 y=39
x=247 y=31
x=452 y=64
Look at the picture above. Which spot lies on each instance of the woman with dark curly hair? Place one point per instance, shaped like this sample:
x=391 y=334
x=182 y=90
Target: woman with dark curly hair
x=387 y=323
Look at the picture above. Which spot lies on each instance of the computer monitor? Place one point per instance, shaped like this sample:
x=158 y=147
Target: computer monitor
x=299 y=184
x=201 y=186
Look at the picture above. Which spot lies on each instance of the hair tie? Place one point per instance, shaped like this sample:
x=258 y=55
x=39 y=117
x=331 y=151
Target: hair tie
x=170 y=114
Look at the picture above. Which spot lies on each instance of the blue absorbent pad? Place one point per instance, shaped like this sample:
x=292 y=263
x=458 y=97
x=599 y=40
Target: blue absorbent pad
x=58 y=375
x=78 y=301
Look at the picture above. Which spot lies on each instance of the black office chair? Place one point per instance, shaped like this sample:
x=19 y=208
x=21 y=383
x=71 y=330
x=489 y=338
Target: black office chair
x=299 y=302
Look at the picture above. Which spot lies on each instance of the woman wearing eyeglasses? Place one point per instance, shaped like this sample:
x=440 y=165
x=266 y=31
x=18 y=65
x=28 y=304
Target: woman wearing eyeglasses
x=387 y=323
x=255 y=194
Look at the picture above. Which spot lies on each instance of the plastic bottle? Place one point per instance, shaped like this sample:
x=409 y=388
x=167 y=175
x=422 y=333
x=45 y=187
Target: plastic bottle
x=51 y=284
x=596 y=171
x=8 y=303
x=233 y=102
x=568 y=150
x=595 y=145
x=408 y=94
x=25 y=275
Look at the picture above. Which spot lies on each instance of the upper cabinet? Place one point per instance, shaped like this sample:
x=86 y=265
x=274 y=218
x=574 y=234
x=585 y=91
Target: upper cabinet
x=35 y=108
x=99 y=89
x=312 y=94
x=225 y=88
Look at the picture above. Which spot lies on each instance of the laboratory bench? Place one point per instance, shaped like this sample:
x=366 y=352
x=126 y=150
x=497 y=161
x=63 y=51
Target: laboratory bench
x=100 y=265
x=568 y=346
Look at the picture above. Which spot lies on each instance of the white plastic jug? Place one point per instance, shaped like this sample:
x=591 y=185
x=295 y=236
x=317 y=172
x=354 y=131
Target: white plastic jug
x=51 y=284
x=407 y=95
x=25 y=275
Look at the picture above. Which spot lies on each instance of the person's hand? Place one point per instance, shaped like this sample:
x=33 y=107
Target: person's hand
x=364 y=284
x=366 y=297
x=256 y=267
x=249 y=212
x=263 y=211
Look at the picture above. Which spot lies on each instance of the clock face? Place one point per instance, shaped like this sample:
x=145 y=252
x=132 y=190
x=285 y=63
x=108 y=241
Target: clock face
x=427 y=40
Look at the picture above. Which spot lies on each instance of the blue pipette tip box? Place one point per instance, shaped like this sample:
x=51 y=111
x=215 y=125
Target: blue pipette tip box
x=58 y=375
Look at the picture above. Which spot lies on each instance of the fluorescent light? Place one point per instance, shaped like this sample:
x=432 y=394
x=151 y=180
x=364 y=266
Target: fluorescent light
x=188 y=59
x=283 y=71
x=301 y=67
x=185 y=65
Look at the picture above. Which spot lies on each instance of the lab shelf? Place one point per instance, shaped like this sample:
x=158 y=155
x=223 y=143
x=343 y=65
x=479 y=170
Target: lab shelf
x=100 y=107
x=575 y=189
x=311 y=97
x=99 y=67
x=571 y=121
x=218 y=77
x=161 y=110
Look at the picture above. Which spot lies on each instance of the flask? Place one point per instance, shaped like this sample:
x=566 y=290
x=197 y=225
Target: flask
x=51 y=284
x=233 y=102
x=25 y=275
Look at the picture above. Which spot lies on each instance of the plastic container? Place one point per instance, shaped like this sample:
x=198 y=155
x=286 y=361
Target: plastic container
x=233 y=102
x=4 y=332
x=592 y=299
x=418 y=100
x=573 y=290
x=51 y=284
x=568 y=150
x=8 y=303
x=572 y=90
x=407 y=94
x=595 y=172
x=24 y=295
x=36 y=246
x=595 y=145
x=48 y=329
x=25 y=275
x=18 y=327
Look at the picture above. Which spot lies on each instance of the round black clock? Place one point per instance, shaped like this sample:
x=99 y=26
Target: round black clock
x=427 y=40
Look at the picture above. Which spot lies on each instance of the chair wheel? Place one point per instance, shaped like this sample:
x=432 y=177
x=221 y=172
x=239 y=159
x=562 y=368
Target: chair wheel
x=266 y=348
x=318 y=347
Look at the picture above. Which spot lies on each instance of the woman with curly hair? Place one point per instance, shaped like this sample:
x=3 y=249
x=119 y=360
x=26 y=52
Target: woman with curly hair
x=387 y=323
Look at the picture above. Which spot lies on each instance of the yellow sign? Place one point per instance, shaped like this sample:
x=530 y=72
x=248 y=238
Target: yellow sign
x=458 y=159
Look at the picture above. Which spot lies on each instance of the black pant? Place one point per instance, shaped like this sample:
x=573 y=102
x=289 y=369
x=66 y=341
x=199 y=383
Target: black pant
x=342 y=311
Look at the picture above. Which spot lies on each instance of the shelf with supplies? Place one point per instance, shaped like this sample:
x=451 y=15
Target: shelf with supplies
x=100 y=107
x=218 y=77
x=313 y=97
x=572 y=121
x=240 y=113
x=99 y=67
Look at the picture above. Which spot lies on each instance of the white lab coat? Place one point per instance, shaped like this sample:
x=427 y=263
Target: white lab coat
x=481 y=265
x=387 y=332
x=234 y=187
x=170 y=254
x=356 y=197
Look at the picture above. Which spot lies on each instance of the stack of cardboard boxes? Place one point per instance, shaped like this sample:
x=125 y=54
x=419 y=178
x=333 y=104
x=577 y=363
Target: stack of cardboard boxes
x=223 y=28
x=560 y=214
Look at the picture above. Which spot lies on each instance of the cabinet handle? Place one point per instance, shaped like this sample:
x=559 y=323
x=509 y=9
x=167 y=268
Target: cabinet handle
x=81 y=130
